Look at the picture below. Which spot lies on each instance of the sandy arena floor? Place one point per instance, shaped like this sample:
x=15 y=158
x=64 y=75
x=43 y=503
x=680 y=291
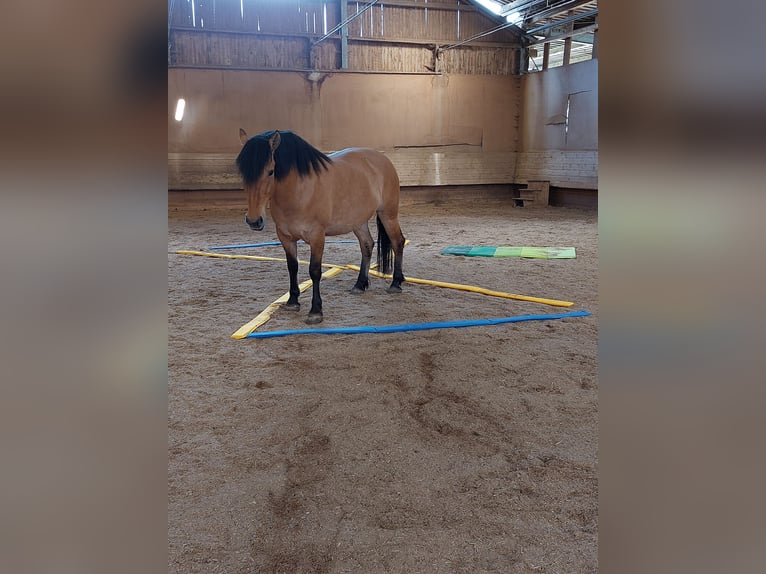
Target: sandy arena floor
x=455 y=450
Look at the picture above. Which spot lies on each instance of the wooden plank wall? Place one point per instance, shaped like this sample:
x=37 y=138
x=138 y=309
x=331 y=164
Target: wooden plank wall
x=393 y=36
x=494 y=60
x=391 y=58
x=240 y=50
x=435 y=21
x=253 y=17
x=417 y=20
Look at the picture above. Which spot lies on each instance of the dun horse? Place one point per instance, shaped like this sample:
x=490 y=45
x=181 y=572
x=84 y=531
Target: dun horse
x=312 y=195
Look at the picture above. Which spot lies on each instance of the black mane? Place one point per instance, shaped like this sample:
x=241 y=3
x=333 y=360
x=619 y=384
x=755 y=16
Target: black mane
x=293 y=153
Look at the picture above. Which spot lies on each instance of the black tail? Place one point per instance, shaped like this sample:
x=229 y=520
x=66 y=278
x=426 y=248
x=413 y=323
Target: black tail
x=385 y=253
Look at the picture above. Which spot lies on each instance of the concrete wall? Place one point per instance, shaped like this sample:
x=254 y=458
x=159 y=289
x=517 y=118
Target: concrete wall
x=566 y=155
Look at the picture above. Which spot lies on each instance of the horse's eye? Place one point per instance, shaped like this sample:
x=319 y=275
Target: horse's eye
x=271 y=172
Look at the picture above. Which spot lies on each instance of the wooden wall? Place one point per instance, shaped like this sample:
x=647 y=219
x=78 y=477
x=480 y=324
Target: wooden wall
x=392 y=36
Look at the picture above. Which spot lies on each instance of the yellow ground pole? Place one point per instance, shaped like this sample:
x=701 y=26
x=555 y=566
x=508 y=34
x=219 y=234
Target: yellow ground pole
x=473 y=289
x=250 y=257
x=458 y=286
x=266 y=314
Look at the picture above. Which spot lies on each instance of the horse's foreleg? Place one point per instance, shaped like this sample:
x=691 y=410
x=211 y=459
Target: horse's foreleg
x=291 y=252
x=365 y=244
x=315 y=272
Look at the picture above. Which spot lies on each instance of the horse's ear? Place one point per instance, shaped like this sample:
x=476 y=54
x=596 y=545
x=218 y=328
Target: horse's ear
x=242 y=136
x=274 y=141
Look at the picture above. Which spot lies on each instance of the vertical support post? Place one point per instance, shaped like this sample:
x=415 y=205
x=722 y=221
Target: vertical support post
x=567 y=50
x=523 y=59
x=343 y=35
x=594 y=51
x=546 y=55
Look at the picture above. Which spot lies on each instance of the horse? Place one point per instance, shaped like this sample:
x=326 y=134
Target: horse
x=312 y=195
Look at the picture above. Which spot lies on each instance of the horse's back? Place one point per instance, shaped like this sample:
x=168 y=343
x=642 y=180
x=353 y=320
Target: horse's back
x=369 y=162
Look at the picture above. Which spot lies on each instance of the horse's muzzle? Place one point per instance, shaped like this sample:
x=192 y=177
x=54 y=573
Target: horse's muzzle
x=255 y=224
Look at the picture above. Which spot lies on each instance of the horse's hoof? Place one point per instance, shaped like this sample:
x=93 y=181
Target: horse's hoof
x=394 y=289
x=356 y=290
x=314 y=319
x=292 y=306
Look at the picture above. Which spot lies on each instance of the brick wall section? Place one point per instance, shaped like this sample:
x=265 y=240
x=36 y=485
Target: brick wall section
x=450 y=165
x=416 y=167
x=574 y=169
x=193 y=171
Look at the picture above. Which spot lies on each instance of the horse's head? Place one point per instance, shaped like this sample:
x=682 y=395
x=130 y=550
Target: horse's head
x=256 y=164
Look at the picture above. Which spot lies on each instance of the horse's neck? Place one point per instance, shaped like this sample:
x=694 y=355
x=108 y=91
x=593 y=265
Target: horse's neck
x=294 y=190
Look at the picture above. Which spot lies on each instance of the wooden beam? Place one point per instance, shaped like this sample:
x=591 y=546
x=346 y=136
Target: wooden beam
x=298 y=70
x=432 y=43
x=546 y=55
x=312 y=37
x=422 y=5
x=567 y=50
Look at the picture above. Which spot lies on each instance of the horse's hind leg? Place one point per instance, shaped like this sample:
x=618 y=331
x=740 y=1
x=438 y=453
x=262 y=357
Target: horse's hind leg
x=398 y=279
x=396 y=242
x=365 y=244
